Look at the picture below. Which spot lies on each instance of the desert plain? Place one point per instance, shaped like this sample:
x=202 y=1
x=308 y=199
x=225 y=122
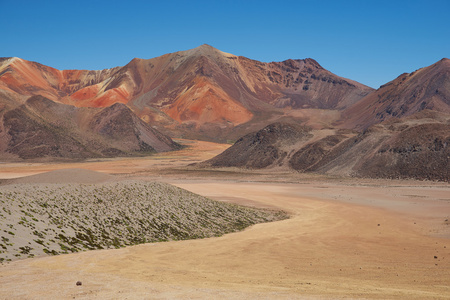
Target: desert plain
x=345 y=238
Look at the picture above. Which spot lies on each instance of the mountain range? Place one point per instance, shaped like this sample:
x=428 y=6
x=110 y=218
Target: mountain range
x=199 y=93
x=291 y=114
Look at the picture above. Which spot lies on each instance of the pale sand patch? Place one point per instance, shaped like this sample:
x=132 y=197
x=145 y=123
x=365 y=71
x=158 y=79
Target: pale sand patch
x=63 y=176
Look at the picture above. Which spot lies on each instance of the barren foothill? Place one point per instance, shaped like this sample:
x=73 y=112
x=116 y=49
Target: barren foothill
x=346 y=238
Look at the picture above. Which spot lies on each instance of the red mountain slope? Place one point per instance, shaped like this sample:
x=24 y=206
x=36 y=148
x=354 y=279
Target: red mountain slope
x=30 y=78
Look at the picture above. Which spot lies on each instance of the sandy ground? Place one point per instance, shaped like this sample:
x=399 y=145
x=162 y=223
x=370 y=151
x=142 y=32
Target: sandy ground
x=346 y=239
x=195 y=151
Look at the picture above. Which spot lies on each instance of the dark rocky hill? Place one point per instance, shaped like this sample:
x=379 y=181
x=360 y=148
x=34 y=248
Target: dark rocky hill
x=261 y=149
x=41 y=128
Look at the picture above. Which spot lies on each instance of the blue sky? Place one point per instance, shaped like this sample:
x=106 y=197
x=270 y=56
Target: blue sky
x=368 y=41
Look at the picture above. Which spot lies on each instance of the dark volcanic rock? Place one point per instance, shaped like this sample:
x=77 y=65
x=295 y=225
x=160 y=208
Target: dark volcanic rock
x=313 y=153
x=260 y=149
x=119 y=123
x=415 y=147
x=28 y=136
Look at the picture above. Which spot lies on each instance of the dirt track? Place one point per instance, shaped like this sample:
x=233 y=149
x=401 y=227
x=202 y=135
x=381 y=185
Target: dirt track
x=362 y=239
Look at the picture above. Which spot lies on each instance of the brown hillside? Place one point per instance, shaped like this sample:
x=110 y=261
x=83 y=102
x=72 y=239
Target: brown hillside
x=407 y=148
x=426 y=88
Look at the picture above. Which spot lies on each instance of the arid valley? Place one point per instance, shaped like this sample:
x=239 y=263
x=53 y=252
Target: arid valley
x=345 y=238
x=224 y=150
x=200 y=174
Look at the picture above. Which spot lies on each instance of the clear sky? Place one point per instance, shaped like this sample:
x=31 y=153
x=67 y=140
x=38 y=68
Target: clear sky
x=368 y=41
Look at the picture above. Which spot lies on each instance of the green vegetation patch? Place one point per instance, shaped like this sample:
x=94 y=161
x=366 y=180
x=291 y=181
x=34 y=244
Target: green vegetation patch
x=57 y=218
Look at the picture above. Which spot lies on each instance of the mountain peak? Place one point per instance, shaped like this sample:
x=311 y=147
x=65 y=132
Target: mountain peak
x=206 y=46
x=207 y=91
x=313 y=62
x=206 y=50
x=445 y=61
x=6 y=61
